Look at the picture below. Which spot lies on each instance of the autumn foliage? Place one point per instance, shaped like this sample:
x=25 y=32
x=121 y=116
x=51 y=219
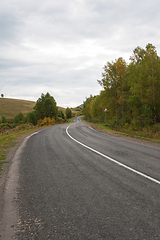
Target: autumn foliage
x=131 y=92
x=46 y=121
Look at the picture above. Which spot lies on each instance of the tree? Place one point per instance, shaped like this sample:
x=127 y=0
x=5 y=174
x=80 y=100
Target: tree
x=68 y=112
x=61 y=114
x=143 y=79
x=46 y=107
x=138 y=55
x=131 y=92
x=135 y=89
x=87 y=108
x=114 y=83
x=4 y=120
x=150 y=78
x=31 y=117
x=2 y=95
x=18 y=118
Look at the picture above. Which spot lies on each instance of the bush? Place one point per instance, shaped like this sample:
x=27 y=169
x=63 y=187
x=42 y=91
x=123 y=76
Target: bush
x=4 y=120
x=18 y=118
x=60 y=120
x=5 y=126
x=1 y=129
x=46 y=121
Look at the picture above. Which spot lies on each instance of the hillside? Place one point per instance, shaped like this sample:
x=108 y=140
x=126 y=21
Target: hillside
x=10 y=107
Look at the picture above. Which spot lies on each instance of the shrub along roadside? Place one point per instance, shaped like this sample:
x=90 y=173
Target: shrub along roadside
x=46 y=121
x=8 y=128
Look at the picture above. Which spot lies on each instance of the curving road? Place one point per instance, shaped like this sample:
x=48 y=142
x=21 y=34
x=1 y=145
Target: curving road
x=77 y=183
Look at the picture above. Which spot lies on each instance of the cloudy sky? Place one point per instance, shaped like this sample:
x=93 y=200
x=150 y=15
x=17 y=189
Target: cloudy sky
x=61 y=46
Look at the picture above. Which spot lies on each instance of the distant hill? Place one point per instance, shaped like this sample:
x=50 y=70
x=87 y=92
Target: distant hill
x=10 y=107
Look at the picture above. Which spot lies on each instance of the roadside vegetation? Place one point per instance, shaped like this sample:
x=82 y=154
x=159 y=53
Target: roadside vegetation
x=145 y=135
x=10 y=140
x=131 y=95
x=44 y=112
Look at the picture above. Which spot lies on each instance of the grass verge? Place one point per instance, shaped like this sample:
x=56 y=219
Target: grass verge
x=8 y=141
x=145 y=135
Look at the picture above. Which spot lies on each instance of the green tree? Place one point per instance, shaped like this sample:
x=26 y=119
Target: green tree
x=144 y=85
x=46 y=107
x=134 y=102
x=131 y=92
x=97 y=106
x=61 y=114
x=87 y=108
x=18 y=118
x=151 y=81
x=2 y=95
x=68 y=113
x=4 y=120
x=31 y=117
x=114 y=83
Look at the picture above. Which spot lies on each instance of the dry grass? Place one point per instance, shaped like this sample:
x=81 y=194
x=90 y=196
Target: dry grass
x=10 y=107
x=62 y=109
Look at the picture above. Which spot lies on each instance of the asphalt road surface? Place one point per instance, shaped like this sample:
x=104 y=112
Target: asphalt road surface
x=72 y=182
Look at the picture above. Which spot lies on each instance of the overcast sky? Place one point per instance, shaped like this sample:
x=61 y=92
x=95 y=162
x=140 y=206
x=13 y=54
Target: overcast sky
x=61 y=46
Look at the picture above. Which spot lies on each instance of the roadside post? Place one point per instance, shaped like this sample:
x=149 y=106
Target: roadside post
x=105 y=110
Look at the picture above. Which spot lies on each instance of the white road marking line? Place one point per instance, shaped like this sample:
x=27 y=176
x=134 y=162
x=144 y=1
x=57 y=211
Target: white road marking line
x=32 y=135
x=113 y=160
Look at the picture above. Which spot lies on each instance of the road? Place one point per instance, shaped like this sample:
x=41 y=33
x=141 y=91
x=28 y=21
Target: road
x=72 y=182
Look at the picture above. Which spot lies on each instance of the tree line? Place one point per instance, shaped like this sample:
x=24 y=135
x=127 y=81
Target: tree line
x=131 y=92
x=45 y=112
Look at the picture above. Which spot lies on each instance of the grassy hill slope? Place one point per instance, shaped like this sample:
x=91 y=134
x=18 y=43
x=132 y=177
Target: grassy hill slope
x=10 y=107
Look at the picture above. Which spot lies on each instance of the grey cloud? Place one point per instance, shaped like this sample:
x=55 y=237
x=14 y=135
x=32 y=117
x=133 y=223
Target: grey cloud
x=8 y=28
x=7 y=64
